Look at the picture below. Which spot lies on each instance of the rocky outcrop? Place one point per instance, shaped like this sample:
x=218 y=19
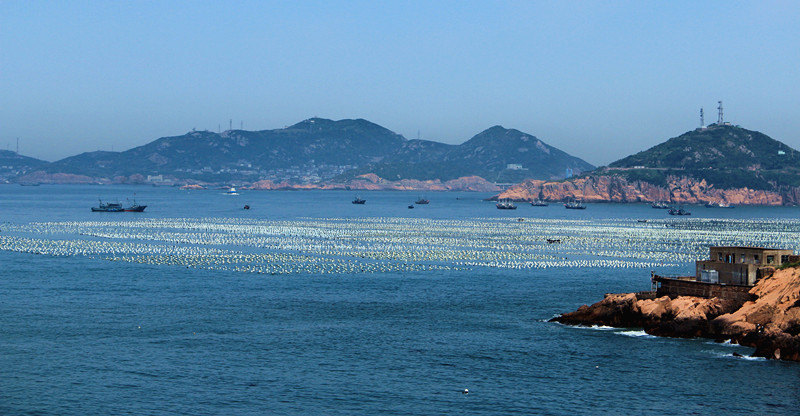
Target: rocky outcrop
x=372 y=182
x=609 y=188
x=193 y=187
x=770 y=323
x=60 y=178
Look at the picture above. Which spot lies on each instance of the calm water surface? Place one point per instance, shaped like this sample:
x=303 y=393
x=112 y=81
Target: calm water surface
x=83 y=336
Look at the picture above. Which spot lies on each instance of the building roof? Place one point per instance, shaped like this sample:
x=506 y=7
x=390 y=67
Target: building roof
x=749 y=248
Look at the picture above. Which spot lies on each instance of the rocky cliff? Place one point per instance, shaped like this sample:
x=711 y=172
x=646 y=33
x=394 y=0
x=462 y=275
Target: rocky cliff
x=679 y=190
x=770 y=323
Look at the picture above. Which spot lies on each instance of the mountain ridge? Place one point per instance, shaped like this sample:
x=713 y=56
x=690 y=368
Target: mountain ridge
x=316 y=150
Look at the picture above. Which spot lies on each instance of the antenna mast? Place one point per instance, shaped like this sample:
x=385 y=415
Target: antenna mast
x=17 y=145
x=719 y=121
x=230 y=124
x=702 y=119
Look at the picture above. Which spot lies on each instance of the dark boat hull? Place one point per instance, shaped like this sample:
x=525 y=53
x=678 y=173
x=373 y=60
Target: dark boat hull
x=136 y=208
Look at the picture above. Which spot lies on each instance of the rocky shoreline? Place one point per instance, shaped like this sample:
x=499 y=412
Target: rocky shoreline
x=770 y=323
x=610 y=188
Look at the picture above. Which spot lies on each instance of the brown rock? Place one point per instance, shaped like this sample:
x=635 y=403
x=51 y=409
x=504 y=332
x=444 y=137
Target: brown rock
x=770 y=323
x=608 y=188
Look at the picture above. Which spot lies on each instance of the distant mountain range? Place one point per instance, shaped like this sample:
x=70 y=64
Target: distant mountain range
x=719 y=163
x=313 y=151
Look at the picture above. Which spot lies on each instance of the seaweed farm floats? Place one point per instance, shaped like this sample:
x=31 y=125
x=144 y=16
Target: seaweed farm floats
x=377 y=245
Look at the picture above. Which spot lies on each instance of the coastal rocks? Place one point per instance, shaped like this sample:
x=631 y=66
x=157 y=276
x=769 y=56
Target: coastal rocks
x=611 y=188
x=193 y=187
x=770 y=323
x=372 y=182
x=60 y=178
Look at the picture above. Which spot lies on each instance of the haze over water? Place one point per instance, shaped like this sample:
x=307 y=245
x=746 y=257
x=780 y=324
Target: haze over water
x=368 y=309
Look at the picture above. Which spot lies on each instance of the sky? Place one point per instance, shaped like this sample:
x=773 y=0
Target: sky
x=599 y=80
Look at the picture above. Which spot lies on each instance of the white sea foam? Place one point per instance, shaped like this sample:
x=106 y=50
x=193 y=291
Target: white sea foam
x=743 y=357
x=726 y=343
x=637 y=334
x=601 y=327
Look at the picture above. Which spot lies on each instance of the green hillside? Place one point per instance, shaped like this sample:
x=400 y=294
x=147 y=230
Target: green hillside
x=725 y=156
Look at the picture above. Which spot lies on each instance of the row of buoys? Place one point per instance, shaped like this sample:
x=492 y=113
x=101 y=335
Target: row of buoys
x=388 y=244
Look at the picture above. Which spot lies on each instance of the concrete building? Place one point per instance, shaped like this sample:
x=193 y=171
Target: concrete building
x=739 y=265
x=729 y=273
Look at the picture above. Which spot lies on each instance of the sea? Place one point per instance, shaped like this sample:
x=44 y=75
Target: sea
x=306 y=304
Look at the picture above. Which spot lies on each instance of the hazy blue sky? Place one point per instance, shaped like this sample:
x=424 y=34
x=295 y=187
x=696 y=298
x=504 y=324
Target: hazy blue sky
x=599 y=80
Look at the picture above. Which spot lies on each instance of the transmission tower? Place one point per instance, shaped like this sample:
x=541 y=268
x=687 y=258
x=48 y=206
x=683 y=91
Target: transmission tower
x=720 y=119
x=702 y=119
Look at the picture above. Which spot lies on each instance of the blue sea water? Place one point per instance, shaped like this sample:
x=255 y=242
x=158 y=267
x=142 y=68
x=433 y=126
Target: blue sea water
x=81 y=335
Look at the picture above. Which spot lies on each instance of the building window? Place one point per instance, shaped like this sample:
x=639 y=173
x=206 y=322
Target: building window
x=755 y=258
x=742 y=261
x=784 y=258
x=720 y=256
x=770 y=259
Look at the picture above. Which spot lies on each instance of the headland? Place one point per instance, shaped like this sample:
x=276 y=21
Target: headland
x=766 y=316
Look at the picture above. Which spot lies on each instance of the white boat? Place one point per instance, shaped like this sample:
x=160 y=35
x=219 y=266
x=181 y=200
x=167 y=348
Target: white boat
x=231 y=191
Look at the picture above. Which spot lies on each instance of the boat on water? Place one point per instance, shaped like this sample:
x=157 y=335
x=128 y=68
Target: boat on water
x=719 y=204
x=659 y=205
x=117 y=207
x=574 y=205
x=506 y=204
x=108 y=207
x=135 y=208
x=359 y=201
x=231 y=191
x=411 y=206
x=422 y=201
x=538 y=203
x=678 y=211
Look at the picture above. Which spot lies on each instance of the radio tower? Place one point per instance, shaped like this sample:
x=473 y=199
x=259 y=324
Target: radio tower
x=719 y=121
x=702 y=119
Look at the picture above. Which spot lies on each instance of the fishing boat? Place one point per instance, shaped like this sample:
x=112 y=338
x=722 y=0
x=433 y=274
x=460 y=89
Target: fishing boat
x=108 y=207
x=411 y=206
x=574 y=205
x=678 y=211
x=719 y=204
x=538 y=203
x=231 y=191
x=422 y=201
x=660 y=205
x=506 y=204
x=135 y=208
x=359 y=201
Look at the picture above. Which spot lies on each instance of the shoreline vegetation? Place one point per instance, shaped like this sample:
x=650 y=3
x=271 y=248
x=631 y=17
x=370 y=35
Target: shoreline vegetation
x=770 y=323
